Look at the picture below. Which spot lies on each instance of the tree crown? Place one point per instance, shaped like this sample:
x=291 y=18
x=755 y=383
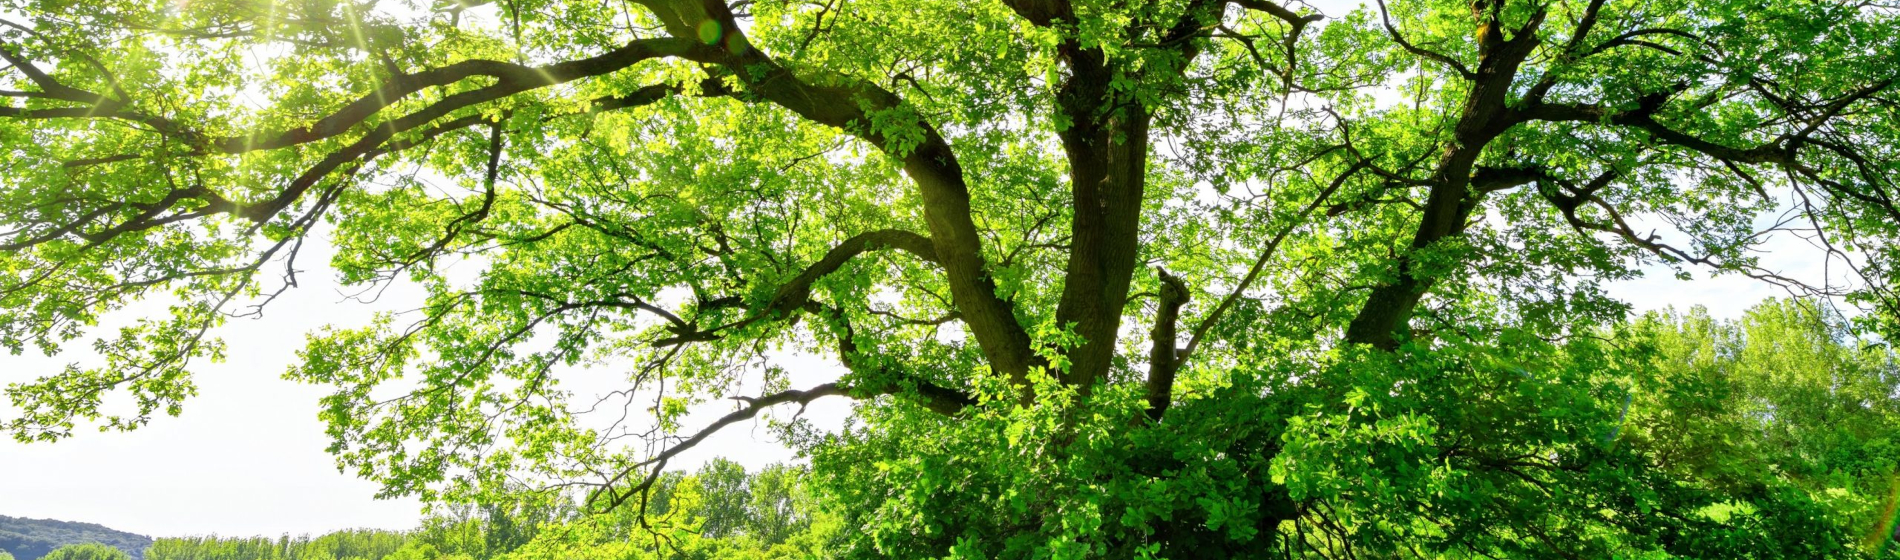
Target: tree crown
x=1031 y=207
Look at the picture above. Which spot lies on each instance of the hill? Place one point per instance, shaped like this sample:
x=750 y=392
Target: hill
x=29 y=539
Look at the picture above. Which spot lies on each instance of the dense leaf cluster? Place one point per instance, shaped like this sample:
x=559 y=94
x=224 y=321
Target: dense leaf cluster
x=1674 y=436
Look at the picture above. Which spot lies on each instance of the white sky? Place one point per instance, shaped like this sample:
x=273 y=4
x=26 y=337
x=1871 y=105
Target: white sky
x=247 y=456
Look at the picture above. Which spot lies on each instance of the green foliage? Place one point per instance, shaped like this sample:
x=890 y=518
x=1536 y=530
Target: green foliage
x=718 y=512
x=1782 y=402
x=1651 y=443
x=477 y=533
x=87 y=551
x=341 y=545
x=1163 y=278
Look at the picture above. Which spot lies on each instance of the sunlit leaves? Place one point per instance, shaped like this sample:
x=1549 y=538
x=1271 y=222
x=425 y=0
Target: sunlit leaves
x=672 y=224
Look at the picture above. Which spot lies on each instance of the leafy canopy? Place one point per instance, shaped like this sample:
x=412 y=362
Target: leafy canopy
x=1173 y=277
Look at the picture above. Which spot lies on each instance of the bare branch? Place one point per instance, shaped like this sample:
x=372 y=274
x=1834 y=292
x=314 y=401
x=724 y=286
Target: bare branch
x=1162 y=359
x=753 y=405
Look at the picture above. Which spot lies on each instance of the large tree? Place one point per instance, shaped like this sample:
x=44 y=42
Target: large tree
x=1184 y=277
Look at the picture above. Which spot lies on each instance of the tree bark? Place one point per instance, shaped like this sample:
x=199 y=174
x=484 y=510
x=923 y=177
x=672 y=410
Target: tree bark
x=1108 y=174
x=931 y=164
x=1381 y=322
x=1163 y=359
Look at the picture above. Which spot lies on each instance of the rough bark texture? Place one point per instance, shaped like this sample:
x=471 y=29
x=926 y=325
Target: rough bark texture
x=1163 y=359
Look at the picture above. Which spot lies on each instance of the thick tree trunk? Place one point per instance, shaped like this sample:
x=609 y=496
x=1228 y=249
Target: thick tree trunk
x=1381 y=323
x=947 y=212
x=1107 y=147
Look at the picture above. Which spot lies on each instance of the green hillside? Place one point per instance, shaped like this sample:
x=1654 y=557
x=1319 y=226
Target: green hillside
x=29 y=539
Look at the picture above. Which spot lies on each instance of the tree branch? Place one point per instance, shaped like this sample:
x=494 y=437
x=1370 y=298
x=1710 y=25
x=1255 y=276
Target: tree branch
x=868 y=112
x=1162 y=361
x=940 y=399
x=1436 y=56
x=1260 y=262
x=1483 y=116
x=794 y=294
x=1043 y=13
x=753 y=405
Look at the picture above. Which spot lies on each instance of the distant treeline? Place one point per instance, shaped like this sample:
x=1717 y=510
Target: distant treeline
x=341 y=545
x=719 y=511
x=31 y=539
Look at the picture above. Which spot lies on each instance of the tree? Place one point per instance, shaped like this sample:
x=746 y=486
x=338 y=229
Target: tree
x=718 y=512
x=359 y=544
x=781 y=506
x=86 y=551
x=1782 y=399
x=724 y=498
x=463 y=536
x=1176 y=277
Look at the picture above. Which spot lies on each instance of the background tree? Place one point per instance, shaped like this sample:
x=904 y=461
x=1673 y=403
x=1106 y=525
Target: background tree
x=86 y=551
x=1782 y=400
x=724 y=498
x=1182 y=277
x=362 y=544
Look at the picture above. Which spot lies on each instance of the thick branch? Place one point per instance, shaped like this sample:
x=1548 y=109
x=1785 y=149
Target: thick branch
x=1783 y=150
x=859 y=107
x=1289 y=16
x=1448 y=208
x=794 y=294
x=381 y=139
x=1043 y=12
x=943 y=400
x=510 y=78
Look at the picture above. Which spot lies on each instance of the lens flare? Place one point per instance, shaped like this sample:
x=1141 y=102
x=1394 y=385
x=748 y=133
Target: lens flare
x=1876 y=541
